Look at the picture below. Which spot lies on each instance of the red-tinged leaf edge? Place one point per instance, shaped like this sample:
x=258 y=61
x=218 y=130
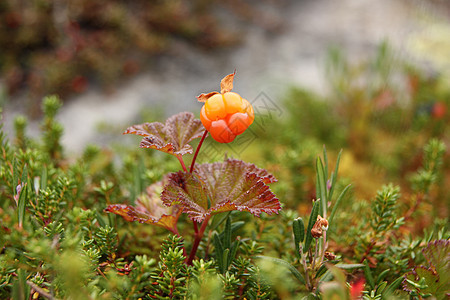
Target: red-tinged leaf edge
x=131 y=214
x=226 y=85
x=221 y=187
x=173 y=137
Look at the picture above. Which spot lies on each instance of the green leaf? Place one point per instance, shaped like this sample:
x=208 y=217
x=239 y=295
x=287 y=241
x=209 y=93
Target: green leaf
x=349 y=266
x=44 y=175
x=311 y=222
x=21 y=205
x=387 y=293
x=15 y=182
x=368 y=275
x=336 y=205
x=219 y=252
x=329 y=274
x=173 y=137
x=381 y=286
x=325 y=162
x=285 y=264
x=20 y=289
x=381 y=276
x=231 y=185
x=298 y=227
x=433 y=279
x=227 y=234
x=321 y=187
x=437 y=255
x=334 y=176
x=218 y=219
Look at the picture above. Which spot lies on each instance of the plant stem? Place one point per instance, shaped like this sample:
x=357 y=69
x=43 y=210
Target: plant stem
x=197 y=150
x=195 y=226
x=324 y=248
x=180 y=158
x=198 y=238
x=305 y=267
x=315 y=255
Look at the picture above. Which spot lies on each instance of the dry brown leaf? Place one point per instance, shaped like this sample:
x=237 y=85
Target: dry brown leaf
x=226 y=85
x=205 y=97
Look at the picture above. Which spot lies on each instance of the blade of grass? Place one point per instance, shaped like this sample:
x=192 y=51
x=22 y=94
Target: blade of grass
x=387 y=293
x=325 y=162
x=321 y=185
x=311 y=222
x=21 y=204
x=338 y=201
x=334 y=176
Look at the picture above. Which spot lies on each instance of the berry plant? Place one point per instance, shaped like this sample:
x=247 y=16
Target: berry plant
x=121 y=223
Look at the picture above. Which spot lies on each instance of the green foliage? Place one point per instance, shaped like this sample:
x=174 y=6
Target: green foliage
x=170 y=276
x=58 y=242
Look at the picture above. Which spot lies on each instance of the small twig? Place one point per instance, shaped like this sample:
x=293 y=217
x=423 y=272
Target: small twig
x=40 y=291
x=367 y=252
x=409 y=213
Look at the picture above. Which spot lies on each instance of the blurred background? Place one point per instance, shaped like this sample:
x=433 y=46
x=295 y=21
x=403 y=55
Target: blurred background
x=113 y=62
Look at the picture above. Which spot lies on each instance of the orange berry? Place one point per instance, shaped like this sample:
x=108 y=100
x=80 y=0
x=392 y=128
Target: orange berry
x=205 y=120
x=226 y=115
x=215 y=107
x=248 y=108
x=238 y=123
x=221 y=132
x=233 y=102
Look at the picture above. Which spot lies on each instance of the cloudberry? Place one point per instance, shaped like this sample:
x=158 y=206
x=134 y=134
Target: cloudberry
x=226 y=116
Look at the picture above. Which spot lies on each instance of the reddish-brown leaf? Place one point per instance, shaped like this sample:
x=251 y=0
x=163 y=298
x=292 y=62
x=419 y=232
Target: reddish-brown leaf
x=205 y=97
x=226 y=85
x=173 y=137
x=220 y=187
x=149 y=209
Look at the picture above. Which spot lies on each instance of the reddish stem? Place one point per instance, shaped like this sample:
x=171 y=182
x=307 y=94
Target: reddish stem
x=198 y=238
x=195 y=226
x=197 y=150
x=180 y=159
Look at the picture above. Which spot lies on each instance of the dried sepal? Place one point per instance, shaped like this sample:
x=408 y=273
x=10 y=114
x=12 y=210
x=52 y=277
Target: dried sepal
x=149 y=209
x=226 y=84
x=205 y=97
x=220 y=187
x=173 y=137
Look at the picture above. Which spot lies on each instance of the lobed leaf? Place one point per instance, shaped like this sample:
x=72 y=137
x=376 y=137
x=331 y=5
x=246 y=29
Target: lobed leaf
x=425 y=281
x=173 y=137
x=437 y=254
x=221 y=187
x=149 y=209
